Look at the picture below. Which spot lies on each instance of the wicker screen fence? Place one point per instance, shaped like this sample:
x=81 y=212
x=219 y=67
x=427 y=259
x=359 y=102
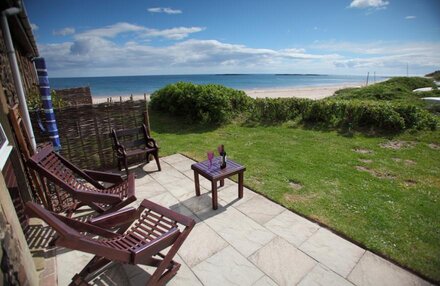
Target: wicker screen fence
x=84 y=130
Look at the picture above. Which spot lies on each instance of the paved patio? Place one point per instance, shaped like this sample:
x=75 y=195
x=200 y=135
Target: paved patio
x=251 y=241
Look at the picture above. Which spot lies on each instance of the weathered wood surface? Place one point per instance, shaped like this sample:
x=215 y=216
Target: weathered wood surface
x=84 y=130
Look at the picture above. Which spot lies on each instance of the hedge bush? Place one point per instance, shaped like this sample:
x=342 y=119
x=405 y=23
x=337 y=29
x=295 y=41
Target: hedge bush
x=277 y=110
x=206 y=103
x=218 y=104
x=339 y=113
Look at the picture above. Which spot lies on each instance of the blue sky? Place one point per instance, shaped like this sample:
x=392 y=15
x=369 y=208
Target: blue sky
x=105 y=38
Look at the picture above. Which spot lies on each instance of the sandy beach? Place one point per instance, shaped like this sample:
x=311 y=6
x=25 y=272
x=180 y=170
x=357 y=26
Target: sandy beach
x=311 y=92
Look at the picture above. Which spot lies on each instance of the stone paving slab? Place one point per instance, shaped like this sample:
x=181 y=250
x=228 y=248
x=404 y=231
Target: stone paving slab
x=260 y=209
x=322 y=276
x=227 y=267
x=265 y=281
x=184 y=165
x=149 y=189
x=336 y=253
x=201 y=244
x=283 y=262
x=185 y=276
x=292 y=227
x=248 y=241
x=69 y=263
x=239 y=230
x=181 y=188
x=229 y=195
x=373 y=270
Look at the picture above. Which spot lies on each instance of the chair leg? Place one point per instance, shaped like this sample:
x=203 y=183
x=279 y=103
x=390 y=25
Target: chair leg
x=96 y=263
x=156 y=157
x=161 y=279
x=126 y=165
x=119 y=164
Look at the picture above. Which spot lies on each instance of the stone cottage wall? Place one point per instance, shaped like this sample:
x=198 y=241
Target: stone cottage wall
x=17 y=266
x=28 y=73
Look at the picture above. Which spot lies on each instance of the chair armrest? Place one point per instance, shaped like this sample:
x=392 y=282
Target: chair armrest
x=104 y=176
x=34 y=210
x=120 y=150
x=86 y=227
x=151 y=140
x=116 y=218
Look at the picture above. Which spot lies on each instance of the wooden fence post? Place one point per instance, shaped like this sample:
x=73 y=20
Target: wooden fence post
x=146 y=115
x=98 y=139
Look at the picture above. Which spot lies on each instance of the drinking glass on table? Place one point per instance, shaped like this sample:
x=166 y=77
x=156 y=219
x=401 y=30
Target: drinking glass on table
x=210 y=157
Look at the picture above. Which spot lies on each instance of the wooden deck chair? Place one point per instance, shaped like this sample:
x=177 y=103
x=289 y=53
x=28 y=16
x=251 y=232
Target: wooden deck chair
x=83 y=185
x=134 y=142
x=144 y=233
x=26 y=151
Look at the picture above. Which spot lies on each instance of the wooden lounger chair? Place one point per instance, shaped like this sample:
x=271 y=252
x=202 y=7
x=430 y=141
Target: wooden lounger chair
x=82 y=186
x=134 y=142
x=142 y=235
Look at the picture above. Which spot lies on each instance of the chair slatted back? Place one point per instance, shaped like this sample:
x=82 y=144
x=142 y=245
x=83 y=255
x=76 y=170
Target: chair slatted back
x=56 y=168
x=130 y=138
x=63 y=175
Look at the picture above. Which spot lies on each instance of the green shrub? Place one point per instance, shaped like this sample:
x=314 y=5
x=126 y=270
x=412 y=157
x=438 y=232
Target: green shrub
x=376 y=115
x=339 y=113
x=207 y=103
x=217 y=104
x=416 y=117
x=394 y=89
x=276 y=110
x=33 y=100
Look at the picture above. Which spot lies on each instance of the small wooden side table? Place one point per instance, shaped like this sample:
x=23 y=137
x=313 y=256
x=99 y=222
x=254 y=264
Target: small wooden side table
x=215 y=174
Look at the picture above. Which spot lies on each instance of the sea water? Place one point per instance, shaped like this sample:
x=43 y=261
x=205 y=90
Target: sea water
x=126 y=85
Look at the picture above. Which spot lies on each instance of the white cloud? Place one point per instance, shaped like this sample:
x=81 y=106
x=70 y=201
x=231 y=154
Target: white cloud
x=178 y=33
x=34 y=27
x=88 y=56
x=64 y=32
x=111 y=31
x=392 y=57
x=164 y=10
x=377 y=4
x=379 y=48
x=114 y=30
x=410 y=17
x=100 y=52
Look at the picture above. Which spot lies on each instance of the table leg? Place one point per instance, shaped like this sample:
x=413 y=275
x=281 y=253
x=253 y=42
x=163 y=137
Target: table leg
x=196 y=181
x=240 y=184
x=222 y=182
x=214 y=195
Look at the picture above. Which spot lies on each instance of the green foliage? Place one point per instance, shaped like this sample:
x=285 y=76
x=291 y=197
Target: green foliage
x=394 y=89
x=277 y=110
x=341 y=113
x=384 y=106
x=207 y=103
x=33 y=100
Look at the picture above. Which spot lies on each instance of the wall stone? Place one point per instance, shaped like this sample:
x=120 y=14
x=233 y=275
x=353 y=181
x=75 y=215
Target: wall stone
x=17 y=266
x=27 y=70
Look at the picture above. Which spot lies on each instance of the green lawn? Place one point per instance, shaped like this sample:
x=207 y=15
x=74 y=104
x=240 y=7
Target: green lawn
x=389 y=202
